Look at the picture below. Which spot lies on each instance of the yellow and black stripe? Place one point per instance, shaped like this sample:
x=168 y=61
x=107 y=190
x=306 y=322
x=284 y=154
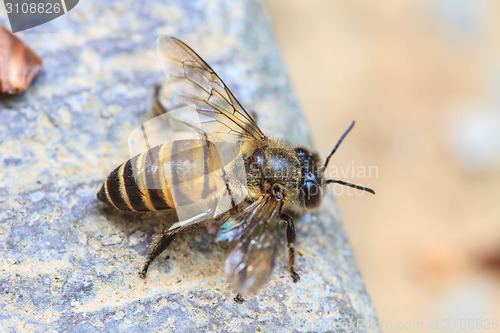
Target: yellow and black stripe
x=141 y=184
x=138 y=184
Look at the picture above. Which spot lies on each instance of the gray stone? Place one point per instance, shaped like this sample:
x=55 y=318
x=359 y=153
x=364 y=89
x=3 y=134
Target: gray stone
x=69 y=263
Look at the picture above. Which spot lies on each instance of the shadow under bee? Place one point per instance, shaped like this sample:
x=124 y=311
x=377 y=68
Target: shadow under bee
x=187 y=247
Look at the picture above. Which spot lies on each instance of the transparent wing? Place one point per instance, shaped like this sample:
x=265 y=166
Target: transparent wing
x=192 y=82
x=253 y=233
x=174 y=165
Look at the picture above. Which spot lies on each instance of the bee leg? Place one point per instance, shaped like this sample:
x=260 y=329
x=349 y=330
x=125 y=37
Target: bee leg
x=254 y=115
x=159 y=245
x=290 y=238
x=158 y=107
x=238 y=299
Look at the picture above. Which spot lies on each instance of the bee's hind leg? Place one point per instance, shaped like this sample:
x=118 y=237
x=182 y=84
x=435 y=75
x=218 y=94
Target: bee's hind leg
x=157 y=106
x=160 y=244
x=290 y=238
x=254 y=115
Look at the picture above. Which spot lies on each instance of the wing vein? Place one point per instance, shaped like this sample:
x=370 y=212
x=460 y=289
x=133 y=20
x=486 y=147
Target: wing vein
x=194 y=80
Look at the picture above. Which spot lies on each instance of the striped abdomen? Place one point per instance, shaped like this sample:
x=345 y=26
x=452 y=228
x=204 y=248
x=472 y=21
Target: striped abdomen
x=163 y=177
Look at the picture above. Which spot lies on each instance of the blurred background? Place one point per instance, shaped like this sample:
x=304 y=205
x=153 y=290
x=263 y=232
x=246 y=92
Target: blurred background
x=422 y=80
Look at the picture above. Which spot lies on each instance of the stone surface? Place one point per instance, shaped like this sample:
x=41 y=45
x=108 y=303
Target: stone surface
x=68 y=262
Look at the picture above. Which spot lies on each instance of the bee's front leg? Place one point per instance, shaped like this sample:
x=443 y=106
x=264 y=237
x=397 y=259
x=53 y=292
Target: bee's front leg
x=290 y=238
x=238 y=299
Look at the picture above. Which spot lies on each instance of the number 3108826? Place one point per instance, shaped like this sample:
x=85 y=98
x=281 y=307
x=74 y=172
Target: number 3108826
x=33 y=8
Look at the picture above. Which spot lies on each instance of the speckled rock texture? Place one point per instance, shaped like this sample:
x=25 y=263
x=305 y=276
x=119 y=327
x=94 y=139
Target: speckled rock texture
x=68 y=263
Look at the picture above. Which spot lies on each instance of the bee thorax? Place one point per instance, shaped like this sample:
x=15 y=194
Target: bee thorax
x=274 y=169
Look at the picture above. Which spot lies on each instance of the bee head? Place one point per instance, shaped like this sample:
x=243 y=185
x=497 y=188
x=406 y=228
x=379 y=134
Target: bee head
x=312 y=187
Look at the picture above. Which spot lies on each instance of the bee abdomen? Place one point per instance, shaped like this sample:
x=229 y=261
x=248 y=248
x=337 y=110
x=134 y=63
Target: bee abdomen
x=137 y=185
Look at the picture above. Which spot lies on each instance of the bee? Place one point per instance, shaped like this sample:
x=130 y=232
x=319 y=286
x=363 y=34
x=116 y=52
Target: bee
x=273 y=182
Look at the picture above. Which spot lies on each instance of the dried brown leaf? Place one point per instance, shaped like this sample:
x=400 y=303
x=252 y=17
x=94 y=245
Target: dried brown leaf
x=18 y=63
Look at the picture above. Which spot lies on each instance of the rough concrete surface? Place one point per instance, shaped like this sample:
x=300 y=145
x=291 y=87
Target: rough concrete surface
x=69 y=263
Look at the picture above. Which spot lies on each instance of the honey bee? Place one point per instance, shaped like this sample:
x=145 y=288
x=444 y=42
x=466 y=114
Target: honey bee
x=272 y=181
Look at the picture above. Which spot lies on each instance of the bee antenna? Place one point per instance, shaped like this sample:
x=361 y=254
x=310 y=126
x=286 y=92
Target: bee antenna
x=367 y=189
x=338 y=144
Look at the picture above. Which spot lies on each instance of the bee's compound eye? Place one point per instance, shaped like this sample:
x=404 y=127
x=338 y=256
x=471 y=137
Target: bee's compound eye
x=312 y=194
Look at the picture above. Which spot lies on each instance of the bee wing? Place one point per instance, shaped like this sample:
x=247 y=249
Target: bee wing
x=253 y=233
x=191 y=81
